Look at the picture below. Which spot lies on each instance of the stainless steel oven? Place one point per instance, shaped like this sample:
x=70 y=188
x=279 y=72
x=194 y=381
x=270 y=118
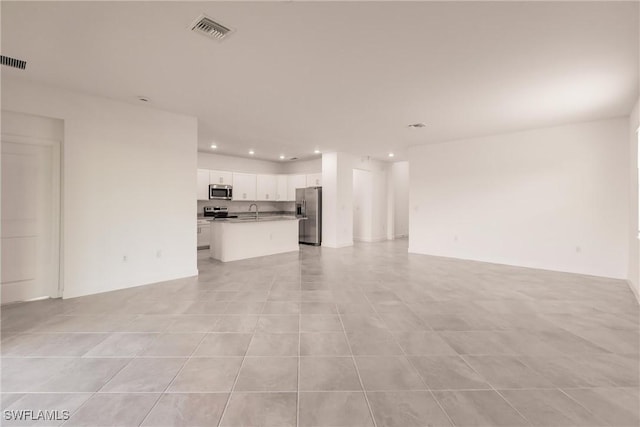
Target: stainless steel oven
x=220 y=192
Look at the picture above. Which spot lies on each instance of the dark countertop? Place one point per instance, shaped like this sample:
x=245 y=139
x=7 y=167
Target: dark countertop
x=245 y=214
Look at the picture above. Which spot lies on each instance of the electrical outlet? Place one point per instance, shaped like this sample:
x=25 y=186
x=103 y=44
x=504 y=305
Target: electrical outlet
x=124 y=258
x=158 y=253
x=578 y=249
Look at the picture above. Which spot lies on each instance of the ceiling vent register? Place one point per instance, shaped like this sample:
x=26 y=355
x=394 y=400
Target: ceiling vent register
x=13 y=62
x=210 y=28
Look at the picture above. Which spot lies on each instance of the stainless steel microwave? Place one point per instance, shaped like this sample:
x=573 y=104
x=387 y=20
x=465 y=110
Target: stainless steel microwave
x=220 y=192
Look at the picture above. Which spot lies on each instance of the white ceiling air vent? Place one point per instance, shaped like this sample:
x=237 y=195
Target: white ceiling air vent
x=210 y=28
x=13 y=62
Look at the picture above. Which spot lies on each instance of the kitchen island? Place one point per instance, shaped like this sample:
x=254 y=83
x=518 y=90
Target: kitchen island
x=234 y=239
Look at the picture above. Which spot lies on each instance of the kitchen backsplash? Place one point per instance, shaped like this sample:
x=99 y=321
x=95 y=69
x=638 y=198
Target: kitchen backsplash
x=244 y=206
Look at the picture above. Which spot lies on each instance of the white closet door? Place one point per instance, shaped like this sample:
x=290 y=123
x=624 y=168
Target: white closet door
x=30 y=221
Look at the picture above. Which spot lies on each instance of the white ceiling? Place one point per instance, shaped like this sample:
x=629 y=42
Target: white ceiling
x=346 y=76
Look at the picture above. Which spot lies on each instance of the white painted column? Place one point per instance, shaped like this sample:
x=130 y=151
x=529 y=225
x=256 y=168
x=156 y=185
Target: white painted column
x=337 y=200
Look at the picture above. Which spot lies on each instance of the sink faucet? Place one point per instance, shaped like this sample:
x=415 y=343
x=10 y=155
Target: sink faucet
x=253 y=204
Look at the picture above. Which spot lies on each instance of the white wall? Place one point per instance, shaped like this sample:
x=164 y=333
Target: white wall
x=243 y=164
x=554 y=198
x=32 y=126
x=400 y=183
x=337 y=200
x=237 y=164
x=303 y=166
x=379 y=195
x=129 y=176
x=634 y=247
x=362 y=205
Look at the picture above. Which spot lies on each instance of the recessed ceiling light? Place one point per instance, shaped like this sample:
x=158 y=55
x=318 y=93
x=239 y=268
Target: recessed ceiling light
x=316 y=151
x=214 y=146
x=252 y=152
x=281 y=156
x=143 y=99
x=391 y=154
x=416 y=125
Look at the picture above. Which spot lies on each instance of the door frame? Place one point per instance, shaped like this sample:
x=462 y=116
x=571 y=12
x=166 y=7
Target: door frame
x=56 y=206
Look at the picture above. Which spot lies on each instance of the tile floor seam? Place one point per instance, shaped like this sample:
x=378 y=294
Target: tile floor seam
x=353 y=360
x=415 y=370
x=391 y=390
x=582 y=406
x=299 y=345
x=96 y=392
x=172 y=380
x=244 y=357
x=497 y=391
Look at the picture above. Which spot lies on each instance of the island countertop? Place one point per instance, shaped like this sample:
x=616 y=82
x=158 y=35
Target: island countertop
x=250 y=219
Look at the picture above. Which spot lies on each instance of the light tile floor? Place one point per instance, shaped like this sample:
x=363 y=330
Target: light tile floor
x=362 y=336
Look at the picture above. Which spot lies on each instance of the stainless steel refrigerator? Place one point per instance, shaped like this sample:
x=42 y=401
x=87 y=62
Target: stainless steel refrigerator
x=309 y=208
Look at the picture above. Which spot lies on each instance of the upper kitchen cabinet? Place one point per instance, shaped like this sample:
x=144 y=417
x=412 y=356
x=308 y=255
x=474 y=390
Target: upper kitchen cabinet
x=220 y=177
x=281 y=188
x=244 y=186
x=293 y=182
x=203 y=184
x=314 y=180
x=267 y=187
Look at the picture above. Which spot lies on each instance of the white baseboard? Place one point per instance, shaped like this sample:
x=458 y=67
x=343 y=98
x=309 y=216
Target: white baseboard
x=373 y=240
x=337 y=246
x=141 y=282
x=38 y=299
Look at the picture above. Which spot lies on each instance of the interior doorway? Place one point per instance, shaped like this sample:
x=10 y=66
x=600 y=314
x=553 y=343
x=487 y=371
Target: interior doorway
x=30 y=211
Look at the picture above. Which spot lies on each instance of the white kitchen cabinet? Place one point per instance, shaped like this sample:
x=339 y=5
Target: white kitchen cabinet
x=203 y=184
x=281 y=188
x=266 y=187
x=244 y=186
x=204 y=234
x=220 y=177
x=314 y=180
x=293 y=182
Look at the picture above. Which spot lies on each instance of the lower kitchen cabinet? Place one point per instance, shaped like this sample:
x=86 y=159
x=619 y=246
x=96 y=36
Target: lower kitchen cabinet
x=204 y=234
